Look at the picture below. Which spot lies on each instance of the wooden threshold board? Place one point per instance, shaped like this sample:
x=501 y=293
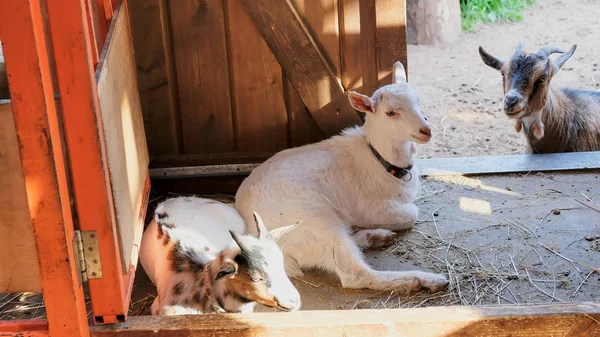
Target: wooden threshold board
x=429 y=167
x=543 y=320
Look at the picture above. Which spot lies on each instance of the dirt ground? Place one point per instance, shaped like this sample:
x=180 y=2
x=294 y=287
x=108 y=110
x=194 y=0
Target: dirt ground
x=462 y=97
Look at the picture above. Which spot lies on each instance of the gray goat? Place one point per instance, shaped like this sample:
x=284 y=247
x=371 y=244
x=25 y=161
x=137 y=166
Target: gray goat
x=553 y=120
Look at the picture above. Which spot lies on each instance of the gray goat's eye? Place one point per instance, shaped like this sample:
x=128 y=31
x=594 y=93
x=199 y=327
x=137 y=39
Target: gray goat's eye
x=390 y=113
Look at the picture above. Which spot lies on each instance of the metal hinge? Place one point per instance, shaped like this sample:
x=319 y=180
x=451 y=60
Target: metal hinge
x=87 y=255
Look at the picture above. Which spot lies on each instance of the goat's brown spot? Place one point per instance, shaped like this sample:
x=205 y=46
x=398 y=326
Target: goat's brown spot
x=160 y=232
x=197 y=297
x=178 y=288
x=166 y=239
x=206 y=249
x=184 y=259
x=168 y=225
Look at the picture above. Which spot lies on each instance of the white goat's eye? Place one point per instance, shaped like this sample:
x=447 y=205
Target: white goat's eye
x=390 y=113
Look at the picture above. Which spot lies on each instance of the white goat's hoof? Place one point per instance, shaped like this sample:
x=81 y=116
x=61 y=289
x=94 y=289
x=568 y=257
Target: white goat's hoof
x=380 y=238
x=433 y=282
x=374 y=238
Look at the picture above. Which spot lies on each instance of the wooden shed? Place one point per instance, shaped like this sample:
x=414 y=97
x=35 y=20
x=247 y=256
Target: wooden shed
x=106 y=94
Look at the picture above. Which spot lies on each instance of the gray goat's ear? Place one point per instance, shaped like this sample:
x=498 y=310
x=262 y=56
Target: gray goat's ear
x=263 y=233
x=238 y=240
x=564 y=57
x=490 y=60
x=398 y=73
x=519 y=49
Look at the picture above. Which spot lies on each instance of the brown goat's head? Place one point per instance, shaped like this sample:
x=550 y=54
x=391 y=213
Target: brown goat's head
x=526 y=77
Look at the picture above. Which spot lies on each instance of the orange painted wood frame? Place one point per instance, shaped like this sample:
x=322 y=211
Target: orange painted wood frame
x=73 y=56
x=44 y=166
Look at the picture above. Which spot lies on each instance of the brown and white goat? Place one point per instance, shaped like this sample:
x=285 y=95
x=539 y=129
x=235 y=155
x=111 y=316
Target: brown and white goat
x=196 y=254
x=553 y=120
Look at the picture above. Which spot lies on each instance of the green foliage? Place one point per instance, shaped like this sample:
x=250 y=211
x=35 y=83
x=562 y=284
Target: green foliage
x=473 y=11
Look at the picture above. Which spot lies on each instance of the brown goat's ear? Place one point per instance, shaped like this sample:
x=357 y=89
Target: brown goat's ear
x=490 y=60
x=228 y=268
x=564 y=57
x=263 y=233
x=361 y=102
x=398 y=73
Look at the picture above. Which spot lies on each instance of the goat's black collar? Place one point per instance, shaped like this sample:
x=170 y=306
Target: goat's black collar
x=398 y=172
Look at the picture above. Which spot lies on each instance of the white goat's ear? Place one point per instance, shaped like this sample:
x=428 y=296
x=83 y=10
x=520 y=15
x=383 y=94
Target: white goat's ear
x=398 y=73
x=564 y=57
x=490 y=60
x=228 y=268
x=361 y=102
x=263 y=233
x=238 y=240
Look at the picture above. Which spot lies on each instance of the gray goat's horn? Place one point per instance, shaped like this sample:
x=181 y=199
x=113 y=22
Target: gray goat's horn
x=549 y=50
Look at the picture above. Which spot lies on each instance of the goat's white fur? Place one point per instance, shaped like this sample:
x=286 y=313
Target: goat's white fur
x=338 y=184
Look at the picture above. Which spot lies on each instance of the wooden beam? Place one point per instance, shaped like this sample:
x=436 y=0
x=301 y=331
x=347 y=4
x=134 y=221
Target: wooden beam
x=576 y=319
x=510 y=164
x=44 y=163
x=67 y=20
x=303 y=63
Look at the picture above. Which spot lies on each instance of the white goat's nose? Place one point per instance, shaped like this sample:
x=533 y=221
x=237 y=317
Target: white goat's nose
x=426 y=131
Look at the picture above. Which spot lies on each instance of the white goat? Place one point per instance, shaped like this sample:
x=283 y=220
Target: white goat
x=196 y=254
x=362 y=181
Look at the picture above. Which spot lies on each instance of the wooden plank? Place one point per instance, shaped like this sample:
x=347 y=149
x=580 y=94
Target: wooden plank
x=209 y=159
x=150 y=28
x=125 y=139
x=257 y=86
x=199 y=43
x=303 y=63
x=190 y=167
x=302 y=127
x=19 y=267
x=44 y=163
x=352 y=65
x=24 y=328
x=391 y=37
x=87 y=152
x=95 y=36
x=522 y=163
x=368 y=45
x=542 y=320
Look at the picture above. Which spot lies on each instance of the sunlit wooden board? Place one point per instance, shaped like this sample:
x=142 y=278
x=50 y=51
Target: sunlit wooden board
x=125 y=139
x=19 y=268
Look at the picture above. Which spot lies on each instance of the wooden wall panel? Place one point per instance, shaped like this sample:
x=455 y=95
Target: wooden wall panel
x=200 y=49
x=19 y=268
x=151 y=33
x=257 y=86
x=210 y=85
x=391 y=37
